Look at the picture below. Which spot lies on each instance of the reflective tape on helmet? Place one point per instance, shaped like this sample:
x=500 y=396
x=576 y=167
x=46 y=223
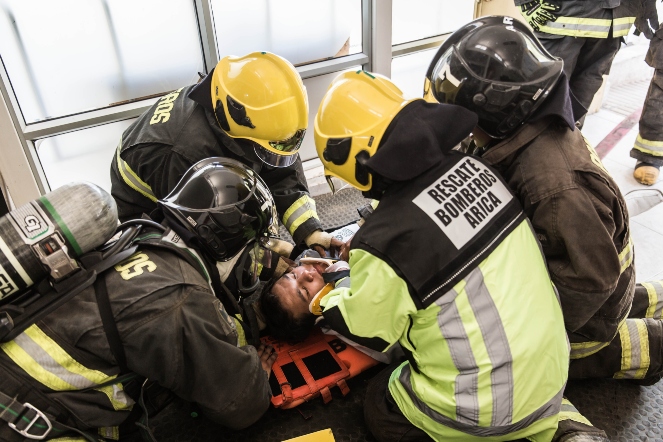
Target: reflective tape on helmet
x=655 y=293
x=49 y=364
x=621 y=26
x=570 y=412
x=635 y=349
x=650 y=147
x=131 y=178
x=298 y=213
x=578 y=27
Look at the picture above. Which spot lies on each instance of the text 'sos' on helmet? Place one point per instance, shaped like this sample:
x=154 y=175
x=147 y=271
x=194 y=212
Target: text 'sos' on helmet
x=495 y=67
x=260 y=98
x=224 y=204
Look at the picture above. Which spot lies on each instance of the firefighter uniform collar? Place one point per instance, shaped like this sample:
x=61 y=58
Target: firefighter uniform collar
x=561 y=103
x=418 y=139
x=201 y=93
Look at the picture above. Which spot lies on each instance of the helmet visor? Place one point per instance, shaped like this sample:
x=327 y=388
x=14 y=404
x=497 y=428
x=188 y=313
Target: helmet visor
x=444 y=82
x=255 y=258
x=273 y=159
x=290 y=145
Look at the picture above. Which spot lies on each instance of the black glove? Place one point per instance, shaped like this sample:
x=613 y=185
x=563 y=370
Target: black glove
x=538 y=13
x=647 y=21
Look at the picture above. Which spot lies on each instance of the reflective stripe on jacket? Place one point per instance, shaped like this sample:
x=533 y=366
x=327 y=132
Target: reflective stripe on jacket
x=580 y=218
x=175 y=133
x=589 y=19
x=488 y=356
x=174 y=331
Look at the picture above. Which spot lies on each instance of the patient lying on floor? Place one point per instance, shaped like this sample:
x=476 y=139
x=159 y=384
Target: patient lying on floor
x=291 y=304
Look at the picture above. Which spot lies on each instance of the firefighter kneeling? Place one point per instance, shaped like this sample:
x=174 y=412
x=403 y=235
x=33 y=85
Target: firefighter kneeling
x=472 y=307
x=159 y=317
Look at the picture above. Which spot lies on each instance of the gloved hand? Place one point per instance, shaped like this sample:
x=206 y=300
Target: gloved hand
x=646 y=21
x=538 y=13
x=321 y=241
x=338 y=266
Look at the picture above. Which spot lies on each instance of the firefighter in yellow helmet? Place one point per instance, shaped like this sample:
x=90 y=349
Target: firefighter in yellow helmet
x=252 y=109
x=440 y=268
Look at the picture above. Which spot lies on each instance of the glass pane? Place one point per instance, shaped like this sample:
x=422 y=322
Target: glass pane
x=409 y=71
x=316 y=87
x=84 y=155
x=417 y=19
x=68 y=56
x=301 y=31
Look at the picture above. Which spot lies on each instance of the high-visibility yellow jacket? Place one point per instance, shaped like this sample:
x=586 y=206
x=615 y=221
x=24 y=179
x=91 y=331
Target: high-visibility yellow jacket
x=470 y=303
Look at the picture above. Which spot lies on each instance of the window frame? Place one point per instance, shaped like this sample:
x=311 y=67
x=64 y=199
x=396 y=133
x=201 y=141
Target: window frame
x=28 y=181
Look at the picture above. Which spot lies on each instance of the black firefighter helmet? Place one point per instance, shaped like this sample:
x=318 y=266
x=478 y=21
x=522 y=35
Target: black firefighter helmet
x=495 y=67
x=224 y=204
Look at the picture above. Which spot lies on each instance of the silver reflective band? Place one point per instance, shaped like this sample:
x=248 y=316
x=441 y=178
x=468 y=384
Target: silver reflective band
x=467 y=381
x=273 y=159
x=550 y=408
x=497 y=345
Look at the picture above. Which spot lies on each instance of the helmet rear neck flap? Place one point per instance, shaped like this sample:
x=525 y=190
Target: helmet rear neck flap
x=496 y=67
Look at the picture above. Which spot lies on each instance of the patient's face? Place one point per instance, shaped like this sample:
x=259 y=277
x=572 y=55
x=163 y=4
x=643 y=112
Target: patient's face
x=297 y=288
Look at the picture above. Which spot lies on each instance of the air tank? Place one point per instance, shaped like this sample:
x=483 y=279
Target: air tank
x=44 y=237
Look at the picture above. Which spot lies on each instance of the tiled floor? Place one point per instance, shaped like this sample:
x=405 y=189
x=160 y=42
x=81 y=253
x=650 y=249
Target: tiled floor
x=646 y=228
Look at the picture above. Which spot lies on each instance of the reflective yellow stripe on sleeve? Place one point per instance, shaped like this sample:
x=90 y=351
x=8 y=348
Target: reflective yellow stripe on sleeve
x=299 y=212
x=570 y=412
x=49 y=364
x=132 y=179
x=650 y=147
x=621 y=26
x=241 y=336
x=112 y=433
x=635 y=350
x=581 y=350
x=626 y=256
x=117 y=396
x=45 y=361
x=68 y=439
x=655 y=294
x=579 y=27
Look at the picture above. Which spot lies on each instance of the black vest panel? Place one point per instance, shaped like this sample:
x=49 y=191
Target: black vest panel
x=435 y=229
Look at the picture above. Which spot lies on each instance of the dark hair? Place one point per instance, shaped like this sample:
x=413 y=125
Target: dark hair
x=280 y=322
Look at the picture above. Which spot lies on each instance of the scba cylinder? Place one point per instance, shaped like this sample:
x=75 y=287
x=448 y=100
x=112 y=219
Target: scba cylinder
x=43 y=237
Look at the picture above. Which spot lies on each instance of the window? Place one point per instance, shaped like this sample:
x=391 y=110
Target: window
x=84 y=155
x=302 y=31
x=418 y=19
x=69 y=56
x=75 y=73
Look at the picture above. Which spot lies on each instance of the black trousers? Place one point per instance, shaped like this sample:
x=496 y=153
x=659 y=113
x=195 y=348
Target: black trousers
x=637 y=350
x=649 y=144
x=383 y=417
x=586 y=60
